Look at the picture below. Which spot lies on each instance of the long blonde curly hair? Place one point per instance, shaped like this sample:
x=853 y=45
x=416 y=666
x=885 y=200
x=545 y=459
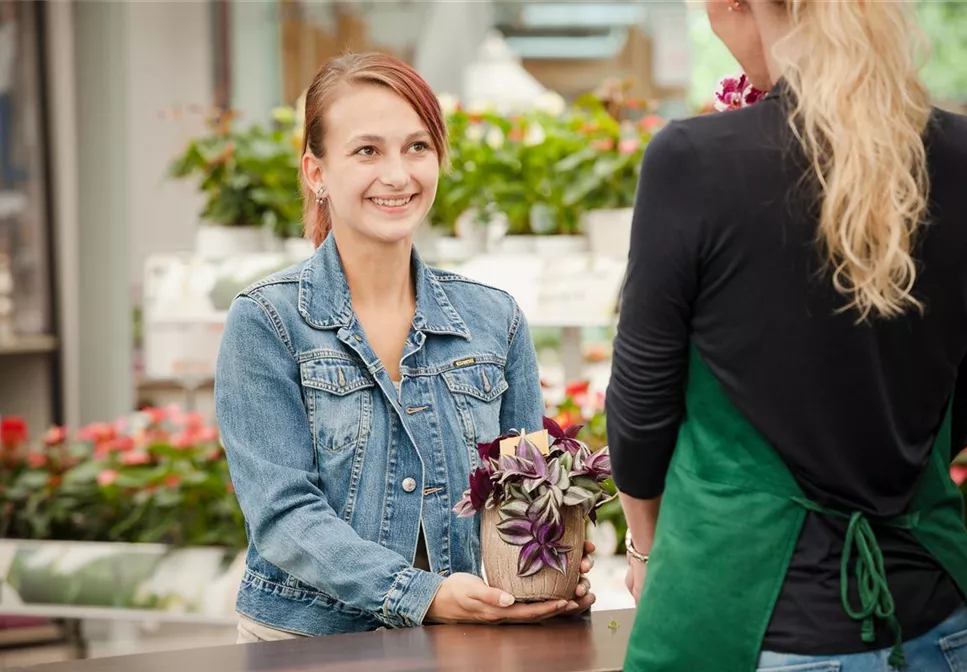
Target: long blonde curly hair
x=860 y=110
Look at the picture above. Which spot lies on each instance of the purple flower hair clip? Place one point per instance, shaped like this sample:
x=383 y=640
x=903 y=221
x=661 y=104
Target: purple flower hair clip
x=734 y=93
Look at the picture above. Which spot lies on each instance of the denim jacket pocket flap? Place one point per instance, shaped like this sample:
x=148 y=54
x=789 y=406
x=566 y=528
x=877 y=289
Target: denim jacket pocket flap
x=336 y=376
x=482 y=381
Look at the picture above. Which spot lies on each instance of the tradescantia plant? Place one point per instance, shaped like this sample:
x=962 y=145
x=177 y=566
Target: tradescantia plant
x=530 y=490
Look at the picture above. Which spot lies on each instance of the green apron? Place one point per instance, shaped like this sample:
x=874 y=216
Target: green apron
x=730 y=518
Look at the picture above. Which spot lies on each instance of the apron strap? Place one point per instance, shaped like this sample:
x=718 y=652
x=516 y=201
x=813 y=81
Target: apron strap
x=876 y=601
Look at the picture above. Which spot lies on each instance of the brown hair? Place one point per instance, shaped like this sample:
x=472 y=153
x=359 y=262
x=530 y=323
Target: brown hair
x=370 y=68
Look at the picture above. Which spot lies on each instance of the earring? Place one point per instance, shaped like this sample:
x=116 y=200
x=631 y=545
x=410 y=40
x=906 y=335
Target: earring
x=321 y=195
x=735 y=6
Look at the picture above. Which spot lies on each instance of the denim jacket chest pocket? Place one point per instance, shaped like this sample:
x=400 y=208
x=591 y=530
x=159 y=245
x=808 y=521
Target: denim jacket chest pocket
x=476 y=391
x=339 y=400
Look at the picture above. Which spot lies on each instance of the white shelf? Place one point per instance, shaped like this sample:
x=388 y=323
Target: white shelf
x=29 y=345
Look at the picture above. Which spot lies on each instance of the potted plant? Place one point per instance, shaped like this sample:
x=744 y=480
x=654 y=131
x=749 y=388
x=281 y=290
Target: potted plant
x=461 y=208
x=617 y=129
x=535 y=494
x=250 y=180
x=139 y=513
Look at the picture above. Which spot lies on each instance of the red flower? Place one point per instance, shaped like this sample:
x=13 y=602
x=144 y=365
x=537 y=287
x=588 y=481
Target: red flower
x=577 y=387
x=36 y=460
x=13 y=432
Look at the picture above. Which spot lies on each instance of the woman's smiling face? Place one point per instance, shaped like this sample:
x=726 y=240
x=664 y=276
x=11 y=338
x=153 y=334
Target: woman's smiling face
x=380 y=168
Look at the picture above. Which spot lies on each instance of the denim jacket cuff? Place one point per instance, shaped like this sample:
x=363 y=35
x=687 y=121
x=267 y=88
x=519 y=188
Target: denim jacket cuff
x=409 y=599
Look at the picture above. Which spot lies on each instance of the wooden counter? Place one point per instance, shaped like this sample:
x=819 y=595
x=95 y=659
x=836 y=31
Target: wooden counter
x=594 y=644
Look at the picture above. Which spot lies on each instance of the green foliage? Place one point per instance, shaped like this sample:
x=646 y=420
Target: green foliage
x=159 y=476
x=544 y=169
x=945 y=24
x=249 y=177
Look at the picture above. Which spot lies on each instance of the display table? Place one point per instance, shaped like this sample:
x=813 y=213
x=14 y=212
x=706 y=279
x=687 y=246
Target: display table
x=593 y=644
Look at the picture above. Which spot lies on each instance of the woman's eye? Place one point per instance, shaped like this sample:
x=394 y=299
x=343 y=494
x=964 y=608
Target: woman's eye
x=366 y=151
x=420 y=146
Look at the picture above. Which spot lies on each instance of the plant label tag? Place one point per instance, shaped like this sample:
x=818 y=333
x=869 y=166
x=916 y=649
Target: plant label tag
x=540 y=439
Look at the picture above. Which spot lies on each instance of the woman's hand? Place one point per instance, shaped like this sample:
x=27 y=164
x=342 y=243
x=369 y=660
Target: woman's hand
x=635 y=577
x=583 y=597
x=465 y=598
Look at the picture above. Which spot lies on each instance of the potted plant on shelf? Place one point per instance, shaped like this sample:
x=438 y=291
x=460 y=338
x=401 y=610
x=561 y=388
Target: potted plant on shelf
x=535 y=493
x=139 y=514
x=529 y=188
x=461 y=208
x=250 y=180
x=617 y=129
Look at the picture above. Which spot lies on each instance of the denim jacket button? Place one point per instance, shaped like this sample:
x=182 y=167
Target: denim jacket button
x=409 y=484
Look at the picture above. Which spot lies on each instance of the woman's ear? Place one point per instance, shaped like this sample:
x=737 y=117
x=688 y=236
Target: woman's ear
x=735 y=24
x=312 y=172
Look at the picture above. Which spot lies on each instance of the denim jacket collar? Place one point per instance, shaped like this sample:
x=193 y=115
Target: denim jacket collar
x=325 y=302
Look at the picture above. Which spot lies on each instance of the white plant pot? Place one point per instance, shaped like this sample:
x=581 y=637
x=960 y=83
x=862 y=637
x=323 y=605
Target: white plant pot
x=609 y=232
x=221 y=242
x=560 y=245
x=298 y=248
x=511 y=244
x=453 y=248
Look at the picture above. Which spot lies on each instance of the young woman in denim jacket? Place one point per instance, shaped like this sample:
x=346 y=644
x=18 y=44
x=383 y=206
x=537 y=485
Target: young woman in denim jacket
x=352 y=388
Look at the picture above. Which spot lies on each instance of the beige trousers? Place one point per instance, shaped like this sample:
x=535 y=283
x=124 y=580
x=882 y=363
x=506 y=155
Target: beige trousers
x=249 y=631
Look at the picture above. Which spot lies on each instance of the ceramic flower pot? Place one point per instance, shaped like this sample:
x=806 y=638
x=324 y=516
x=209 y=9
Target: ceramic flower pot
x=502 y=560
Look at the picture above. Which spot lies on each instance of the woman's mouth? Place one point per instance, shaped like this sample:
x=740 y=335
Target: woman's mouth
x=392 y=203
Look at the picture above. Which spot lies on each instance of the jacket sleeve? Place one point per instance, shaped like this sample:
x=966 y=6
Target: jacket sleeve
x=267 y=437
x=645 y=398
x=522 y=406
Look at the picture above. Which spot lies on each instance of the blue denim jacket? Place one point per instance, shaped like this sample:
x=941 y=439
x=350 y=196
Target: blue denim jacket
x=334 y=470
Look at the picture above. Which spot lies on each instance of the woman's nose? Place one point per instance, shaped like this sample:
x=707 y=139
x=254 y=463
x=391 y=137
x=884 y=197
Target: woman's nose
x=395 y=173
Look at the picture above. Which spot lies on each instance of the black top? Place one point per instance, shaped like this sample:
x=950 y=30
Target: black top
x=723 y=255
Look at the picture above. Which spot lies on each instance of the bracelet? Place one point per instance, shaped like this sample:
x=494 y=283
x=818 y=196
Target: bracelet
x=630 y=550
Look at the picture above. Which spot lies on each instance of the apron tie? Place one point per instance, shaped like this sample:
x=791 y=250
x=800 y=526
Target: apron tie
x=876 y=601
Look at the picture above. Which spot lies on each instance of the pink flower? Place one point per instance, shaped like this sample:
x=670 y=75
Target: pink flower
x=629 y=145
x=194 y=420
x=107 y=477
x=122 y=444
x=651 y=122
x=156 y=415
x=135 y=458
x=54 y=436
x=958 y=473
x=207 y=435
x=734 y=93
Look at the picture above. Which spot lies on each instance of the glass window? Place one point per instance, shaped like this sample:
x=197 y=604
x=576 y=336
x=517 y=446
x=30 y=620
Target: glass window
x=24 y=225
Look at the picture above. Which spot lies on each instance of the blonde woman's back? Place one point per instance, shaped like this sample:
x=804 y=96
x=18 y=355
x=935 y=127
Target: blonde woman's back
x=730 y=226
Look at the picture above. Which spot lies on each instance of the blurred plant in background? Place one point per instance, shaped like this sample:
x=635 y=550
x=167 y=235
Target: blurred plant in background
x=544 y=168
x=157 y=476
x=248 y=176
